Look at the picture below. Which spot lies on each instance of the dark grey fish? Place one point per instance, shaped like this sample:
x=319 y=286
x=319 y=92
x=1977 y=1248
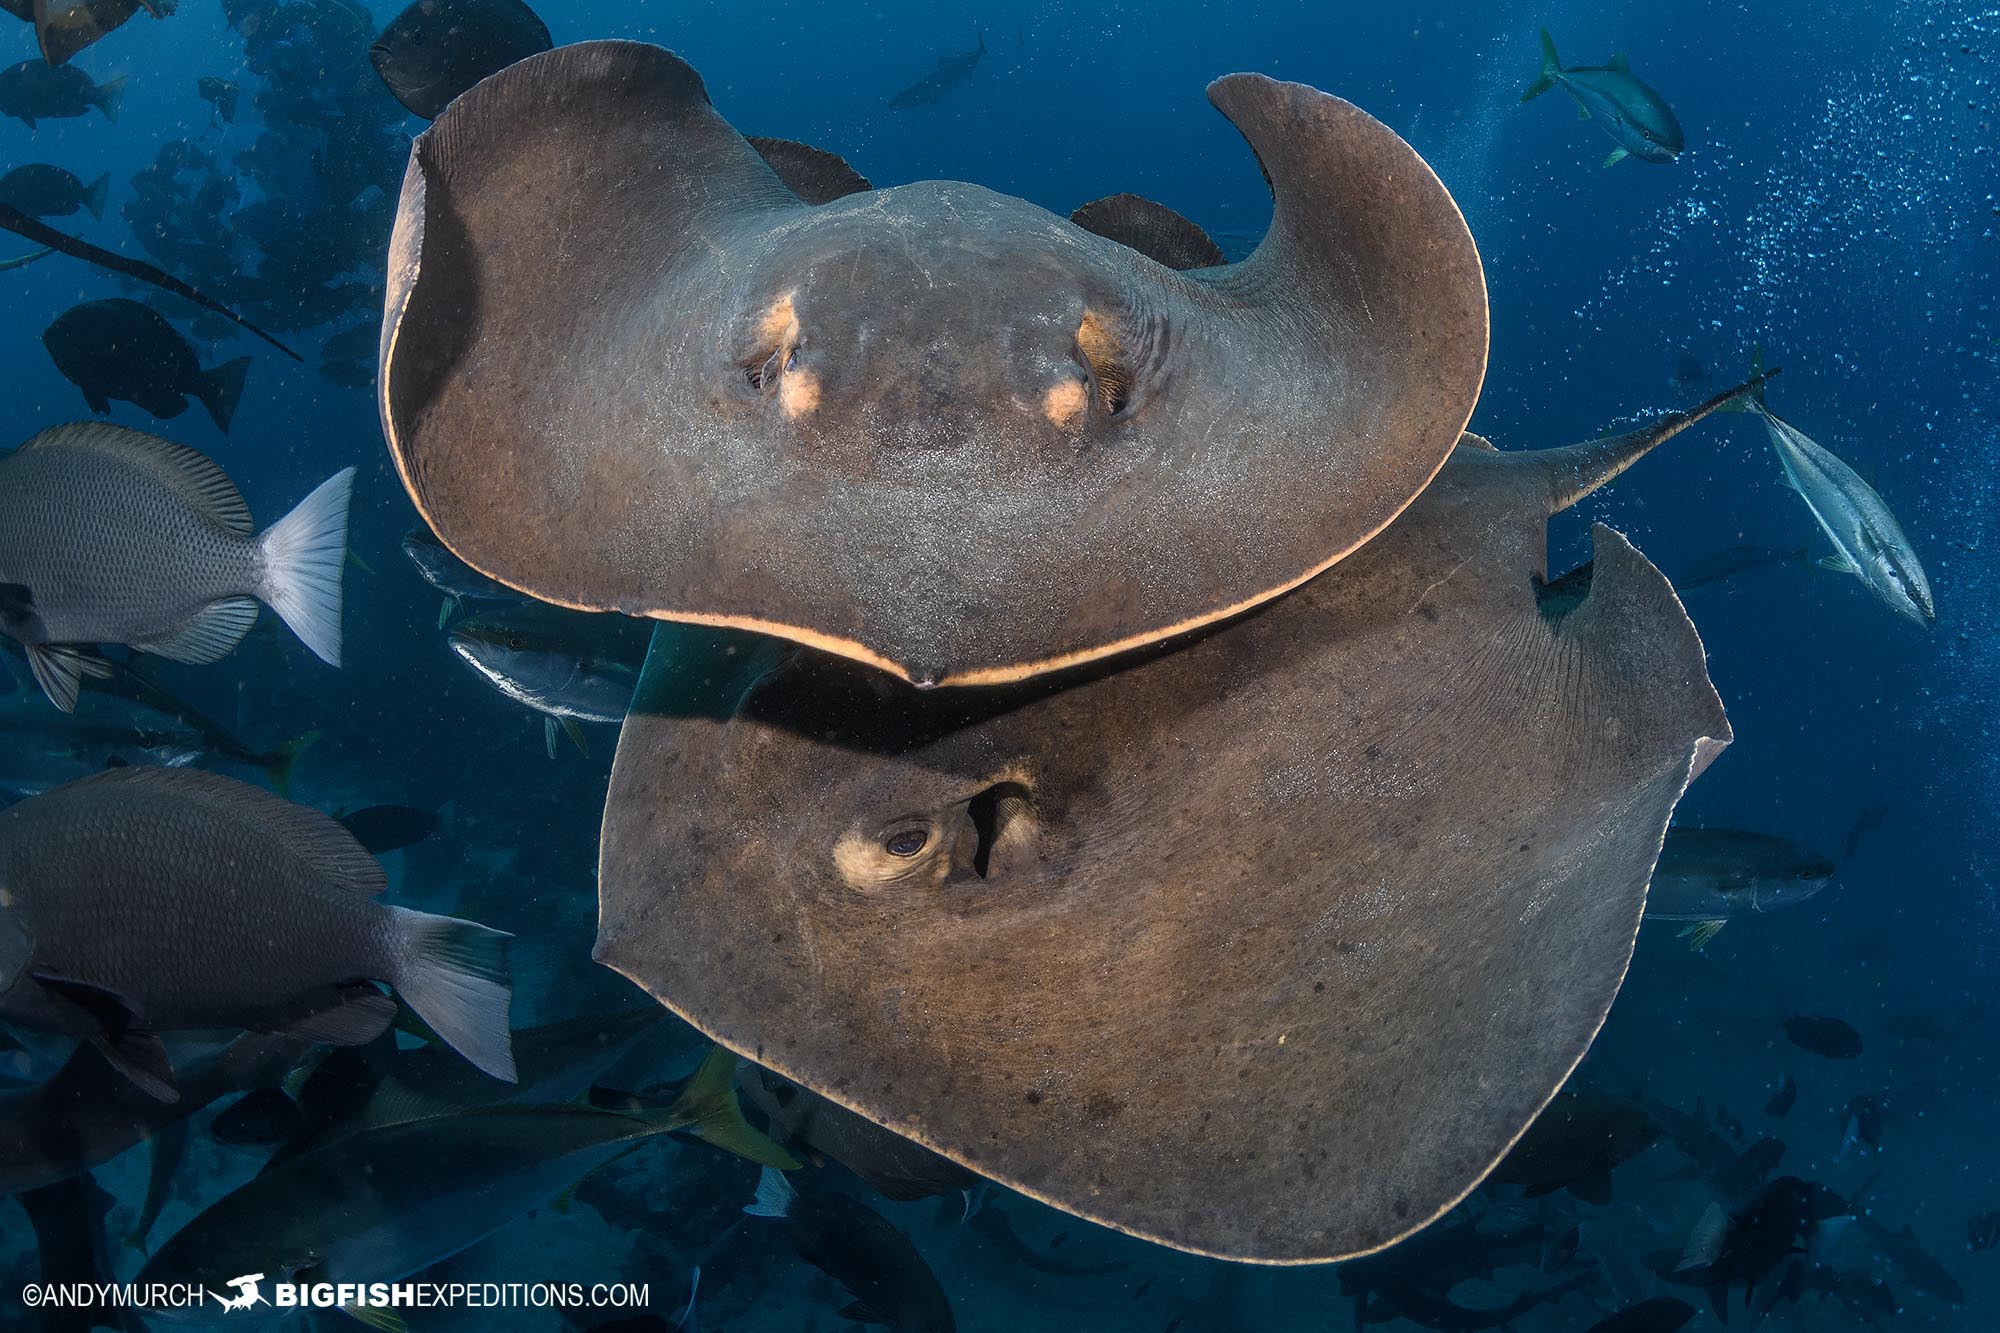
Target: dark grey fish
x=990 y=1220
x=88 y=1112
x=119 y=348
x=36 y=90
x=389 y=828
x=219 y=93
x=109 y=535
x=1783 y=1099
x=862 y=1251
x=1866 y=821
x=1734 y=560
x=1574 y=1144
x=436 y=49
x=933 y=87
x=1983 y=1232
x=43 y=190
x=1860 y=1243
x=64 y=27
x=1831 y=1037
x=270 y=911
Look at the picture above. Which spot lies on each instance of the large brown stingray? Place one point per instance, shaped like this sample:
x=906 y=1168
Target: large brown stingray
x=930 y=428
x=1266 y=946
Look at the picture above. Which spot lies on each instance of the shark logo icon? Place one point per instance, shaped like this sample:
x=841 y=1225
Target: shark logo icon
x=246 y=1295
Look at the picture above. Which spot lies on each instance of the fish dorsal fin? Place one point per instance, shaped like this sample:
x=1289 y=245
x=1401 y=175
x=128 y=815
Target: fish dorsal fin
x=1154 y=230
x=314 y=837
x=192 y=475
x=1618 y=64
x=813 y=174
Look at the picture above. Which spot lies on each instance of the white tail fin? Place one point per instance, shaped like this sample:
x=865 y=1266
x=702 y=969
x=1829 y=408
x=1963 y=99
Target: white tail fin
x=305 y=554
x=774 y=1195
x=454 y=974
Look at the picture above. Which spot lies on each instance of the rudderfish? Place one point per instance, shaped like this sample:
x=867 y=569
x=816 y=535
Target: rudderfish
x=1711 y=875
x=1867 y=540
x=150 y=900
x=387 y=1202
x=1638 y=119
x=121 y=349
x=109 y=535
x=951 y=71
x=570 y=666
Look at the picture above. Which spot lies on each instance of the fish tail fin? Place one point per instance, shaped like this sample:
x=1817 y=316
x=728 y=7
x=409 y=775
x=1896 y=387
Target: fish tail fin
x=775 y=1196
x=219 y=389
x=110 y=97
x=305 y=554
x=1551 y=69
x=1751 y=397
x=93 y=197
x=707 y=1108
x=455 y=975
x=277 y=765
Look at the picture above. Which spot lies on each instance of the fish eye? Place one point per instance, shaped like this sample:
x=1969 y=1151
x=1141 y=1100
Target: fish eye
x=516 y=642
x=906 y=842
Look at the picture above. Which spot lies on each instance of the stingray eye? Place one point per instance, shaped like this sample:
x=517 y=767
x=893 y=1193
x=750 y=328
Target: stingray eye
x=763 y=377
x=906 y=842
x=1103 y=357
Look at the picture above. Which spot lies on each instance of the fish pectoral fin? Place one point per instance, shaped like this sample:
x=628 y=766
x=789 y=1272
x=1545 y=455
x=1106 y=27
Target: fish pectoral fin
x=1582 y=111
x=1699 y=933
x=1615 y=156
x=444 y=611
x=209 y=635
x=104 y=1006
x=549 y=736
x=576 y=737
x=1837 y=564
x=861 y=1312
x=360 y=1016
x=59 y=669
x=141 y=1057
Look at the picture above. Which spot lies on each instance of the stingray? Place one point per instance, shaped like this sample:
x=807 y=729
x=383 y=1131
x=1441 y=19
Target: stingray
x=930 y=428
x=1265 y=946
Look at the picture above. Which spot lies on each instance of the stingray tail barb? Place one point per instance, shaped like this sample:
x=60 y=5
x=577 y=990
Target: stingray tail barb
x=1576 y=470
x=1551 y=69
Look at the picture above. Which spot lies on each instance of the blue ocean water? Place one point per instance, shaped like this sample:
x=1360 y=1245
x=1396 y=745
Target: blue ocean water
x=1838 y=203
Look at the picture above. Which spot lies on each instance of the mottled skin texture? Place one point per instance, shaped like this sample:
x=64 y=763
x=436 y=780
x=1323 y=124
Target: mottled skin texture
x=932 y=428
x=1266 y=947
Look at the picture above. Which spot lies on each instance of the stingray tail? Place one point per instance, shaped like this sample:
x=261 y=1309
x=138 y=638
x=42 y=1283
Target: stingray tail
x=1551 y=69
x=1576 y=470
x=305 y=554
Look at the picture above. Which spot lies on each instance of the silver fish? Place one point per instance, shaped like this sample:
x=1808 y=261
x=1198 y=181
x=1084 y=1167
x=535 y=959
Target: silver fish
x=1716 y=874
x=1868 y=541
x=569 y=666
x=149 y=900
x=41 y=748
x=114 y=536
x=1638 y=119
